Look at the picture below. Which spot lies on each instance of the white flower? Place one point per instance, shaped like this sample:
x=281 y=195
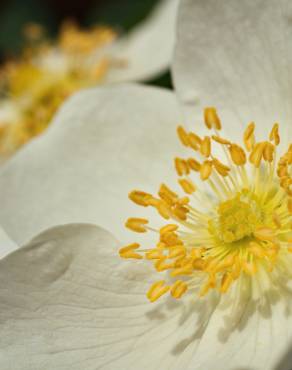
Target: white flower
x=68 y=301
x=41 y=79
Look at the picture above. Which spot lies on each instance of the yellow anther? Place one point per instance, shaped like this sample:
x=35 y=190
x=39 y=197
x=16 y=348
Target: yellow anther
x=185 y=270
x=256 y=249
x=249 y=267
x=137 y=224
x=236 y=269
x=180 y=212
x=205 y=148
x=277 y=220
x=211 y=118
x=282 y=170
x=177 y=251
x=248 y=137
x=157 y=290
x=167 y=194
x=161 y=265
x=257 y=154
x=187 y=185
x=181 y=166
x=268 y=152
x=226 y=281
x=206 y=170
x=237 y=154
x=168 y=228
x=265 y=233
x=140 y=197
x=154 y=254
x=184 y=201
x=194 y=141
x=193 y=164
x=220 y=140
x=170 y=238
x=183 y=136
x=178 y=289
x=274 y=135
x=221 y=168
x=225 y=263
x=197 y=252
x=163 y=209
x=210 y=284
x=199 y=264
x=129 y=251
x=289 y=205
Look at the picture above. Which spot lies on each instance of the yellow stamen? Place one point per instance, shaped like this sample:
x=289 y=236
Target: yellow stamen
x=157 y=290
x=195 y=141
x=206 y=147
x=178 y=289
x=183 y=136
x=237 y=154
x=140 y=197
x=137 y=224
x=206 y=170
x=211 y=118
x=265 y=233
x=274 y=135
x=193 y=164
x=238 y=228
x=129 y=251
x=181 y=166
x=187 y=185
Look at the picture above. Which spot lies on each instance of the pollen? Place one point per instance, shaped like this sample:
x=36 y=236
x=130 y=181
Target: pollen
x=231 y=226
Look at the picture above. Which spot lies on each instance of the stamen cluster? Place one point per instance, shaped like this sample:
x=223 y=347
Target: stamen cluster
x=244 y=228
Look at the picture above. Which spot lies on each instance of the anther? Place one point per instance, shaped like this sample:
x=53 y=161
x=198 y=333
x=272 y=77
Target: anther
x=274 y=135
x=137 y=224
x=205 y=148
x=178 y=289
x=193 y=164
x=265 y=233
x=129 y=251
x=220 y=140
x=194 y=141
x=206 y=170
x=140 y=197
x=181 y=166
x=248 y=137
x=157 y=290
x=183 y=136
x=187 y=185
x=211 y=118
x=237 y=154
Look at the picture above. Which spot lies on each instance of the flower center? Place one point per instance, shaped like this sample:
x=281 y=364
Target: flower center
x=237 y=226
x=237 y=219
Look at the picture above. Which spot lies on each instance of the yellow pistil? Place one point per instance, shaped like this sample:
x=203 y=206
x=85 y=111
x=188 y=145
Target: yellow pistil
x=234 y=229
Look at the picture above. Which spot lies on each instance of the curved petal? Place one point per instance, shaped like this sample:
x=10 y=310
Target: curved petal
x=148 y=49
x=66 y=301
x=237 y=56
x=6 y=244
x=102 y=144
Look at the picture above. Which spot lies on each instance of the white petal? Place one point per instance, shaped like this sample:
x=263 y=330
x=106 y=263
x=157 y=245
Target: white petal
x=104 y=143
x=7 y=245
x=148 y=48
x=67 y=301
x=237 y=56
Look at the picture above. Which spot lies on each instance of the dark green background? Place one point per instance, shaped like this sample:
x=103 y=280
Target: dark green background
x=121 y=14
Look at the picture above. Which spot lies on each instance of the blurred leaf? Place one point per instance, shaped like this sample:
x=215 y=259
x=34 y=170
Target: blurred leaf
x=15 y=15
x=123 y=14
